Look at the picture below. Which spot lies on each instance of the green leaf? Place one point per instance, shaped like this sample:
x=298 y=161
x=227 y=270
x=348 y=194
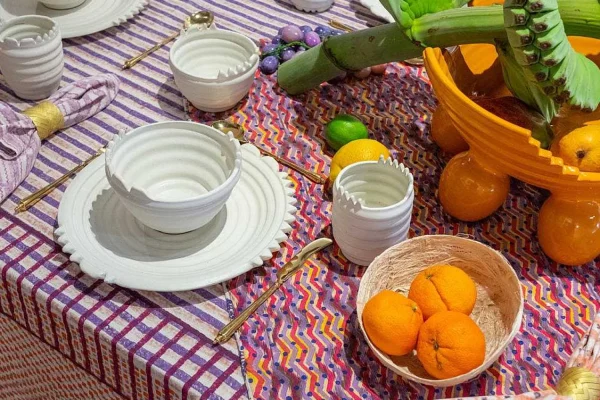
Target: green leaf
x=405 y=12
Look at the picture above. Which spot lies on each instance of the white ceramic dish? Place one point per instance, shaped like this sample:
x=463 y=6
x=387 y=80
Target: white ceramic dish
x=31 y=56
x=312 y=5
x=110 y=244
x=61 y=4
x=377 y=9
x=372 y=208
x=174 y=176
x=90 y=17
x=214 y=69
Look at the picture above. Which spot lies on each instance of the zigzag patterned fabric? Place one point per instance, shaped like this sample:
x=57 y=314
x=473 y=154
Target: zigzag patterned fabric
x=306 y=341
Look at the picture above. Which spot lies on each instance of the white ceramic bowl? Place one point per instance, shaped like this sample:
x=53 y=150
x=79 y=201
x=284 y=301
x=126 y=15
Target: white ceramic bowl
x=312 y=5
x=372 y=208
x=62 y=4
x=214 y=69
x=174 y=177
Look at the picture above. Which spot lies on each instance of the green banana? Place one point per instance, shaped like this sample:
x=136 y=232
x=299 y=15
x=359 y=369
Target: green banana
x=540 y=65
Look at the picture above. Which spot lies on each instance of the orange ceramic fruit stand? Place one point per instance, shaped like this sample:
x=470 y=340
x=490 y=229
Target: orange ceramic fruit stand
x=475 y=183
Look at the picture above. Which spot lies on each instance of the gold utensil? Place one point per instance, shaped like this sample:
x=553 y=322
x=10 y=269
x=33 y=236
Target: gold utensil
x=200 y=17
x=289 y=269
x=238 y=133
x=338 y=25
x=30 y=200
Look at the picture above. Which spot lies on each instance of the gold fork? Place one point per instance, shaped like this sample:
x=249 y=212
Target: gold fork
x=30 y=200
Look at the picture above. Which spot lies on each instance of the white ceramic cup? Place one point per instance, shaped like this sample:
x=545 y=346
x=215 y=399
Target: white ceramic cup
x=372 y=208
x=31 y=56
x=62 y=4
x=312 y=5
x=214 y=69
x=174 y=177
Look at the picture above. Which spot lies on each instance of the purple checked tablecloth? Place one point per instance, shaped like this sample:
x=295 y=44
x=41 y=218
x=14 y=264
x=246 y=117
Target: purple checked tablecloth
x=143 y=345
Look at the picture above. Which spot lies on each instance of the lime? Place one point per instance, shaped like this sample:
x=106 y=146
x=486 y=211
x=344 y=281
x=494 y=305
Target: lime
x=343 y=129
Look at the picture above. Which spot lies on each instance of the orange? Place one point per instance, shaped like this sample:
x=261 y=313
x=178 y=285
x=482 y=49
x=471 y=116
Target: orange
x=445 y=134
x=450 y=344
x=443 y=288
x=392 y=322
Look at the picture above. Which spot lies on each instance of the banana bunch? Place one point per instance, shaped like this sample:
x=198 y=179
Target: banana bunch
x=540 y=66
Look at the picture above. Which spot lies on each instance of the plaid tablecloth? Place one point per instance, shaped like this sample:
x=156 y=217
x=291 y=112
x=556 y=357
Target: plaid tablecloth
x=305 y=342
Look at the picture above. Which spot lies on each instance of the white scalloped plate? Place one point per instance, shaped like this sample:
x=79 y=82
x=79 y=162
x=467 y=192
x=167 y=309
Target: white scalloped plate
x=110 y=244
x=90 y=17
x=377 y=9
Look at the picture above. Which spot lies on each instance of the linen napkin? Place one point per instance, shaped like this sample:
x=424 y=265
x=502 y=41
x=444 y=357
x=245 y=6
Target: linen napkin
x=21 y=133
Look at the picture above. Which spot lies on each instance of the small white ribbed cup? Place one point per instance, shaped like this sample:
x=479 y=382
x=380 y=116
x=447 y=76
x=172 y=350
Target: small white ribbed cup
x=31 y=56
x=372 y=208
x=61 y=4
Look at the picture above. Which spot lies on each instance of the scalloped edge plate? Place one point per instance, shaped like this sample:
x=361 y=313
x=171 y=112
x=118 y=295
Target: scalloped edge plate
x=77 y=237
x=78 y=21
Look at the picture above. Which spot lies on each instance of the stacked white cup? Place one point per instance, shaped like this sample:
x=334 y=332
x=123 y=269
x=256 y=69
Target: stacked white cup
x=372 y=208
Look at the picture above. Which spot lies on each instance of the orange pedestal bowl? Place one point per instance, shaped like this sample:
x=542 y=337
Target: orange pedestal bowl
x=475 y=183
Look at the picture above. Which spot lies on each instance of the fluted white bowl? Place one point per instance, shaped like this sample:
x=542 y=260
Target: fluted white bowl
x=174 y=177
x=31 y=56
x=61 y=4
x=214 y=69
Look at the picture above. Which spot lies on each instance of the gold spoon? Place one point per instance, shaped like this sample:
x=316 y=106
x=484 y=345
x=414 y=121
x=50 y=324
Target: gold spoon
x=199 y=17
x=238 y=133
x=33 y=198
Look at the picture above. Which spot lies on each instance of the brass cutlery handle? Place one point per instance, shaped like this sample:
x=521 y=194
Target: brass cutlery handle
x=316 y=178
x=134 y=60
x=338 y=25
x=33 y=198
x=228 y=330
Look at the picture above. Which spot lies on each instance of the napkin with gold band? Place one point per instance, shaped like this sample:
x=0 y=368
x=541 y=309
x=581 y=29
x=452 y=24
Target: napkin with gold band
x=579 y=381
x=21 y=133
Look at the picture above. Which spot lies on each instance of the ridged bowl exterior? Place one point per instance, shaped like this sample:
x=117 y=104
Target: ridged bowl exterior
x=221 y=92
x=505 y=146
x=32 y=66
x=145 y=163
x=362 y=231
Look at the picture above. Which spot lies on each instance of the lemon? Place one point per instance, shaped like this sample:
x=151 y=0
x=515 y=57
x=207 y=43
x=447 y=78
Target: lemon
x=343 y=129
x=356 y=151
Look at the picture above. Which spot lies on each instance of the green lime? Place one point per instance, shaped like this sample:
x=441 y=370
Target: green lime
x=343 y=129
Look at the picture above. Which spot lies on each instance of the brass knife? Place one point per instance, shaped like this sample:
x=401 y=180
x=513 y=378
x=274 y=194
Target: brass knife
x=289 y=269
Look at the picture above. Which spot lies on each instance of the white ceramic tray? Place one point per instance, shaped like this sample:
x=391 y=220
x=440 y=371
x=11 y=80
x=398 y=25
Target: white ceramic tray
x=110 y=244
x=377 y=9
x=90 y=17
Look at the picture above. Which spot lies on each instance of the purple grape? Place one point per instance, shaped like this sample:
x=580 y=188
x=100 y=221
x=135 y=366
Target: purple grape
x=280 y=31
x=267 y=48
x=269 y=65
x=287 y=54
x=276 y=40
x=335 y=33
x=291 y=33
x=311 y=39
x=300 y=51
x=305 y=29
x=322 y=31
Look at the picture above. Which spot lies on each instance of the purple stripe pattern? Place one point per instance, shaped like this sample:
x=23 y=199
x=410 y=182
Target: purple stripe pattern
x=144 y=345
x=19 y=141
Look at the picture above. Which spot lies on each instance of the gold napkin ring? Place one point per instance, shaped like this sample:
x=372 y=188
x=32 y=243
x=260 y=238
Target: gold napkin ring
x=46 y=117
x=579 y=383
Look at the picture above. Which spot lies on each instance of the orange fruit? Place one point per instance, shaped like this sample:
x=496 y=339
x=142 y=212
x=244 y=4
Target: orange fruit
x=443 y=288
x=450 y=344
x=392 y=322
x=445 y=134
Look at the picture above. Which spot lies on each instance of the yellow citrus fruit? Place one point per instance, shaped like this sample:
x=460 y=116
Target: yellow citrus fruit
x=443 y=288
x=392 y=322
x=356 y=151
